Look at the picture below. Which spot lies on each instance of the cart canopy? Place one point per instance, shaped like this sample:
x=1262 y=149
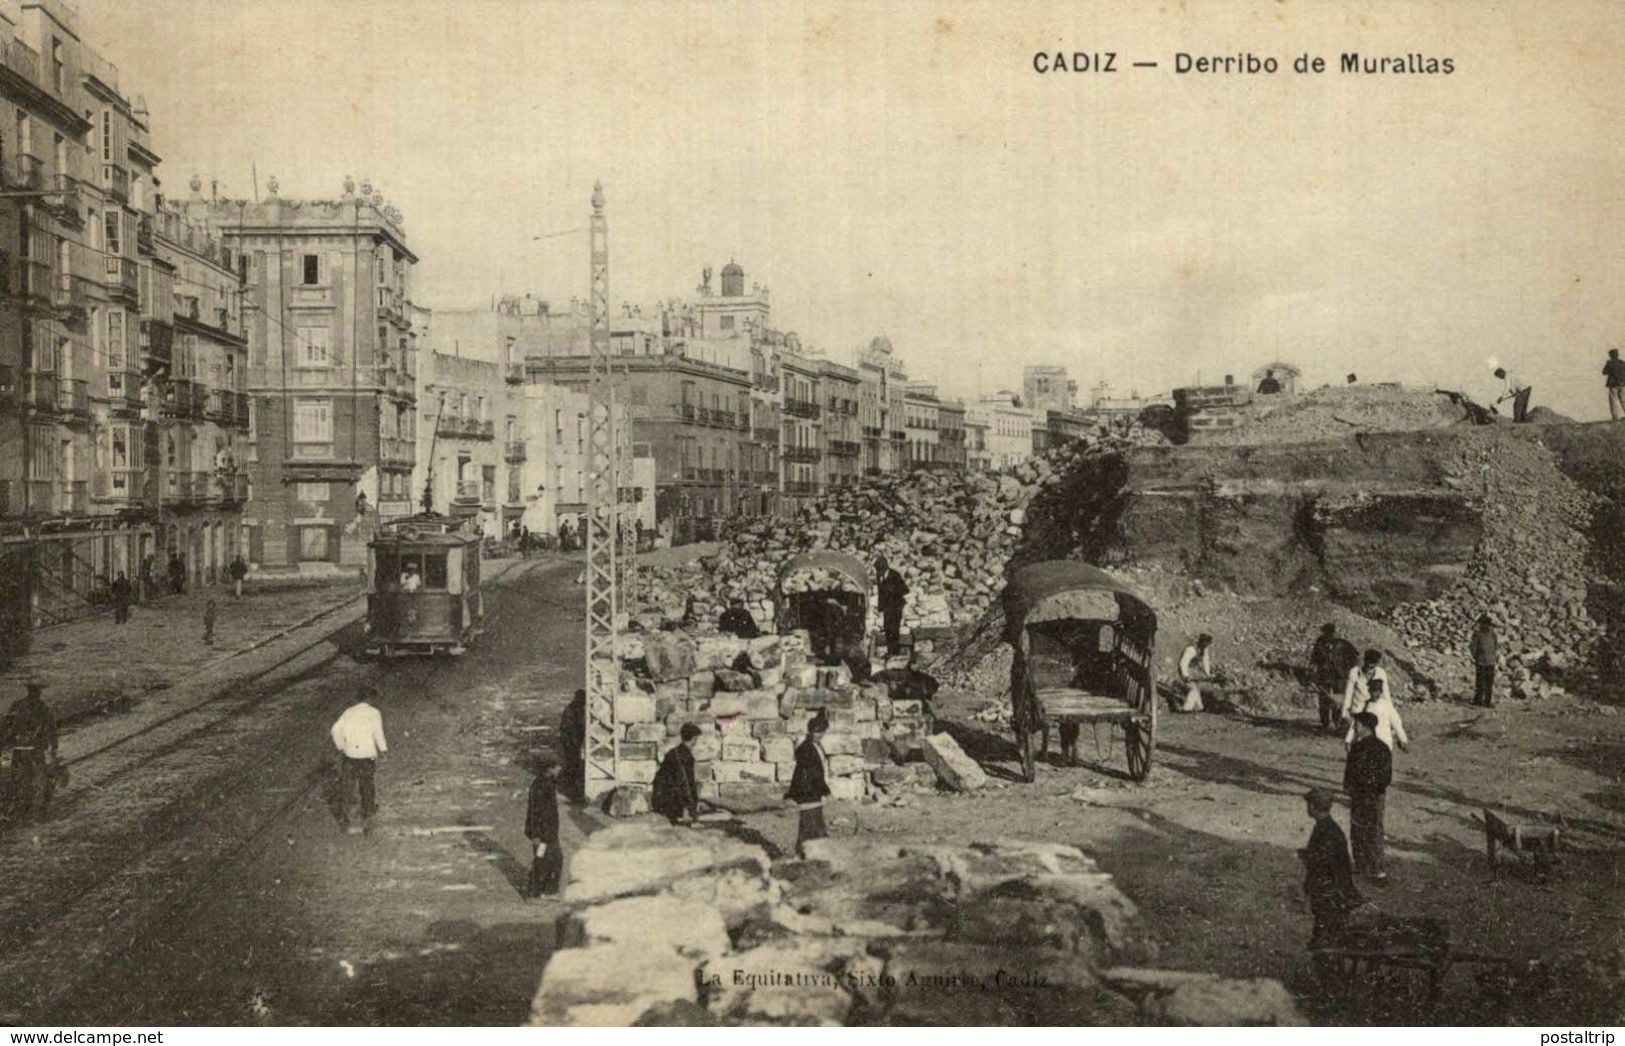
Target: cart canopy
x=848 y=566
x=1056 y=590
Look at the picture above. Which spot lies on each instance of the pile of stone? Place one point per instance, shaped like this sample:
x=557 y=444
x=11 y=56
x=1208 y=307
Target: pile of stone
x=678 y=926
x=949 y=534
x=752 y=699
x=1528 y=573
x=1334 y=412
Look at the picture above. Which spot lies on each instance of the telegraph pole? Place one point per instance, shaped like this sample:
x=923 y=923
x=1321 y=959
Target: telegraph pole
x=603 y=519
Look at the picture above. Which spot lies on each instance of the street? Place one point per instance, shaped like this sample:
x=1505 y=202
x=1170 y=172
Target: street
x=203 y=880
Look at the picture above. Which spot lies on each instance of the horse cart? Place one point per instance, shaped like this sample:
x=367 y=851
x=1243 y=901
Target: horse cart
x=1083 y=647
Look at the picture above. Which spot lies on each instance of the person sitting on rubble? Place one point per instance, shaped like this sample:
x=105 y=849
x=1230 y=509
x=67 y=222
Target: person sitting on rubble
x=1195 y=668
x=737 y=621
x=1331 y=660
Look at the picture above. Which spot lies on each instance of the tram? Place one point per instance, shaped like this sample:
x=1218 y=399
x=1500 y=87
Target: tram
x=424 y=593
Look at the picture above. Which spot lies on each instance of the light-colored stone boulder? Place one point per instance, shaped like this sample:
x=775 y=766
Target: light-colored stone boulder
x=610 y=985
x=628 y=801
x=669 y=655
x=749 y=987
x=645 y=857
x=955 y=769
x=634 y=708
x=1205 y=999
x=660 y=921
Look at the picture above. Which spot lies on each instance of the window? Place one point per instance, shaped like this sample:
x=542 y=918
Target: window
x=58 y=76
x=107 y=136
x=115 y=339
x=313 y=347
x=113 y=227
x=313 y=544
x=312 y=269
x=312 y=492
x=727 y=323
x=312 y=421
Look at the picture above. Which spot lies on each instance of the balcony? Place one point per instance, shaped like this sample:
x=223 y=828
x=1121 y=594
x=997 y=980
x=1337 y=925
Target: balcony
x=123 y=279
x=802 y=455
x=144 y=242
x=514 y=451
x=116 y=182
x=766 y=434
x=73 y=496
x=73 y=397
x=30 y=172
x=872 y=432
x=221 y=405
x=66 y=205
x=121 y=484
x=801 y=489
x=230 y=485
x=468 y=491
x=177 y=487
x=844 y=448
x=38 y=391
x=240 y=420
x=765 y=382
x=515 y=373
x=396 y=450
x=391 y=305
x=181 y=398
x=124 y=389
x=898 y=436
x=157 y=343
x=69 y=296
x=34 y=282
x=690 y=474
x=801 y=408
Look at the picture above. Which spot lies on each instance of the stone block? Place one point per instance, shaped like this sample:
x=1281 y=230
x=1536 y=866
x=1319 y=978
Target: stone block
x=870 y=731
x=645 y=732
x=634 y=708
x=843 y=765
x=875 y=751
x=627 y=801
x=812 y=698
x=802 y=677
x=638 y=751
x=956 y=770
x=707 y=787
x=890 y=775
x=907 y=707
x=841 y=719
x=864 y=709
x=761 y=704
x=707 y=746
x=1174 y=997
x=842 y=744
x=724 y=705
x=796 y=981
x=883 y=709
x=739 y=894
x=734 y=727
x=843 y=699
x=669 y=655
x=741 y=751
x=730 y=772
x=848 y=787
x=749 y=796
x=637 y=771
x=761 y=728
x=772 y=678
x=767 y=651
x=610 y=985
x=638 y=857
x=779 y=749
x=664 y=922
x=734 y=682
x=702 y=684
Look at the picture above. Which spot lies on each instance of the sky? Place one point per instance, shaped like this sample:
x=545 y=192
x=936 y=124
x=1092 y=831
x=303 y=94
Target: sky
x=901 y=168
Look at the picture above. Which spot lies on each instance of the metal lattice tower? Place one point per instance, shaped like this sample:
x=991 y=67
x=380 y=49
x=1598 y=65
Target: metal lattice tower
x=603 y=515
x=626 y=481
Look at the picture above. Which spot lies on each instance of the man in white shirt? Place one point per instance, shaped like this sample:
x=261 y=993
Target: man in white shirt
x=1196 y=665
x=410 y=581
x=358 y=734
x=1358 y=689
x=1516 y=391
x=1389 y=729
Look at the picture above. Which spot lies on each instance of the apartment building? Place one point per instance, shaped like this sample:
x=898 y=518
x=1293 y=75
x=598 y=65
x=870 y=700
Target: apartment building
x=880 y=407
x=843 y=436
x=951 y=432
x=332 y=363
x=802 y=449
x=1008 y=429
x=922 y=424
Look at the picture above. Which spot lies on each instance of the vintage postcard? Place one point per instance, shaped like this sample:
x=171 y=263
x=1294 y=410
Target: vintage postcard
x=527 y=513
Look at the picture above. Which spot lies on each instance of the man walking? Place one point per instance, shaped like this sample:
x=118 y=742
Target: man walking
x=1366 y=776
x=542 y=829
x=29 y=733
x=123 y=593
x=239 y=570
x=893 y=590
x=1328 y=875
x=1517 y=391
x=1331 y=660
x=1357 y=688
x=1390 y=729
x=177 y=574
x=358 y=734
x=809 y=784
x=1613 y=373
x=1195 y=667
x=1484 y=662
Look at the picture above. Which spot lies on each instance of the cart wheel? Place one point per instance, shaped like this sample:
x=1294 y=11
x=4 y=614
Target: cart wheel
x=1139 y=742
x=1024 y=741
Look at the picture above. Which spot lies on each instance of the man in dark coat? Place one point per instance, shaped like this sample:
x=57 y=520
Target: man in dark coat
x=737 y=621
x=892 y=590
x=177 y=574
x=1484 y=662
x=676 y=792
x=29 y=732
x=1366 y=775
x=1328 y=876
x=809 y=785
x=572 y=736
x=123 y=594
x=542 y=829
x=1331 y=660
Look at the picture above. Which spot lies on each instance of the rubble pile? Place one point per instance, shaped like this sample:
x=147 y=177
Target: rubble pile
x=676 y=926
x=1336 y=411
x=752 y=698
x=949 y=534
x=1528 y=573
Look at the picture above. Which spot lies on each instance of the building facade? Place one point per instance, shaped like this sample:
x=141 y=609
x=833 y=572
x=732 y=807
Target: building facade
x=332 y=364
x=1047 y=388
x=952 y=449
x=1008 y=428
x=880 y=408
x=843 y=435
x=921 y=424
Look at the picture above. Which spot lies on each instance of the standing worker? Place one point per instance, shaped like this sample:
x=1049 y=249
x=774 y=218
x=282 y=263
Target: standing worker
x=1195 y=666
x=1328 y=874
x=1613 y=373
x=893 y=589
x=542 y=829
x=809 y=784
x=1390 y=729
x=29 y=732
x=1331 y=660
x=1517 y=391
x=358 y=734
x=1366 y=776
x=1357 y=690
x=1484 y=662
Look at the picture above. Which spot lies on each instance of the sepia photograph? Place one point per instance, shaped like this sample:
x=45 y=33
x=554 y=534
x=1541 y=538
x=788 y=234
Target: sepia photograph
x=605 y=514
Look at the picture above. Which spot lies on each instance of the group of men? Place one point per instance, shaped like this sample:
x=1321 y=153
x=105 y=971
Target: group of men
x=1518 y=391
